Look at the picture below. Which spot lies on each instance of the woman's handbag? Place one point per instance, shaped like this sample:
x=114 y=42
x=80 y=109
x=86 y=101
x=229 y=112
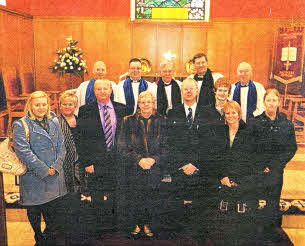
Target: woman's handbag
x=9 y=162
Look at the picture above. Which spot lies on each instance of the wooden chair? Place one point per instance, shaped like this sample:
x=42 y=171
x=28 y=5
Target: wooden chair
x=26 y=80
x=14 y=102
x=299 y=115
x=27 y=86
x=287 y=104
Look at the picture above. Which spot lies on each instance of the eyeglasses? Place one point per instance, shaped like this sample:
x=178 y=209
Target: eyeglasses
x=145 y=102
x=135 y=68
x=167 y=71
x=189 y=89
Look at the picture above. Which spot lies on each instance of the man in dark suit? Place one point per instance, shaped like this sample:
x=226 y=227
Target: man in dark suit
x=212 y=145
x=98 y=126
x=204 y=79
x=183 y=129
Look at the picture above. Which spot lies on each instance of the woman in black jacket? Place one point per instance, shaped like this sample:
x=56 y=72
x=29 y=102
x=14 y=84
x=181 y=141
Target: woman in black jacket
x=274 y=142
x=67 y=121
x=235 y=218
x=141 y=144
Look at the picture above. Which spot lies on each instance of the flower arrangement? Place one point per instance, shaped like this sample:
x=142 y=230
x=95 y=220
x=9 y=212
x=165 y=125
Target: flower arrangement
x=70 y=60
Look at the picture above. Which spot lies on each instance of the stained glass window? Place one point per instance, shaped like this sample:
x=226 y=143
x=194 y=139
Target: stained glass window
x=170 y=9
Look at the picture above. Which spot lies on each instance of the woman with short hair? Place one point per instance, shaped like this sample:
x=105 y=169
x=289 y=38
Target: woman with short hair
x=67 y=121
x=235 y=217
x=141 y=144
x=42 y=186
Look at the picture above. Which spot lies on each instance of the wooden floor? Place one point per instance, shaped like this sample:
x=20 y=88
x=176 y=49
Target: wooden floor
x=21 y=234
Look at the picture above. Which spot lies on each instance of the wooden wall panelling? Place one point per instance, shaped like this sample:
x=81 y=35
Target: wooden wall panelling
x=49 y=36
x=144 y=43
x=227 y=42
x=118 y=36
x=170 y=38
x=26 y=42
x=9 y=39
x=2 y=94
x=219 y=47
x=263 y=51
x=94 y=43
x=2 y=37
x=243 y=48
x=194 y=40
x=45 y=44
x=100 y=39
x=16 y=46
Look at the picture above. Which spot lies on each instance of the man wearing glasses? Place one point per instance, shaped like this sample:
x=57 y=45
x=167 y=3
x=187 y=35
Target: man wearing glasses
x=129 y=89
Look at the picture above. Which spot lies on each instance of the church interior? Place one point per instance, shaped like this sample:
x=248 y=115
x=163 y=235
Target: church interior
x=34 y=31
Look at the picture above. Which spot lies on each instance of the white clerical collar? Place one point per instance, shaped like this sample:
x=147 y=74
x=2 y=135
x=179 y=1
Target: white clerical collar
x=135 y=81
x=244 y=85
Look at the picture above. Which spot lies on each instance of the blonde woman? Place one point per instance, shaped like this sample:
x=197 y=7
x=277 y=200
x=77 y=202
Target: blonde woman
x=235 y=220
x=42 y=186
x=67 y=121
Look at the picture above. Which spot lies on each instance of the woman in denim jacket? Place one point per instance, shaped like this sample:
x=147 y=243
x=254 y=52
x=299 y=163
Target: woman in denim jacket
x=42 y=186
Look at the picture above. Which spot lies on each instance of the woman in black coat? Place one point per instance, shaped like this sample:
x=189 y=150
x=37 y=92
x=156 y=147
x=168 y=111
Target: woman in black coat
x=141 y=146
x=274 y=143
x=67 y=121
x=235 y=218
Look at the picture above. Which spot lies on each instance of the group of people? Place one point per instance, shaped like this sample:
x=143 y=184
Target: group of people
x=202 y=158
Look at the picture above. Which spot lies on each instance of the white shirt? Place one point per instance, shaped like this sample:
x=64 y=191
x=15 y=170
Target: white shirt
x=260 y=91
x=168 y=92
x=193 y=107
x=215 y=76
x=81 y=93
x=135 y=91
x=120 y=94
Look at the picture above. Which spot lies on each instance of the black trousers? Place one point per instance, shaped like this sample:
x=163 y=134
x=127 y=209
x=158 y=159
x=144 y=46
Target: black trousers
x=102 y=212
x=54 y=214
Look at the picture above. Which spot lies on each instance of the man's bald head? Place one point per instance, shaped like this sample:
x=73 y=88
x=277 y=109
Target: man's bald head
x=99 y=70
x=244 y=72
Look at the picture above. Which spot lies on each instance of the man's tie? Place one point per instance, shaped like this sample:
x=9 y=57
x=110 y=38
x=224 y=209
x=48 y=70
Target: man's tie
x=190 y=118
x=108 y=128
